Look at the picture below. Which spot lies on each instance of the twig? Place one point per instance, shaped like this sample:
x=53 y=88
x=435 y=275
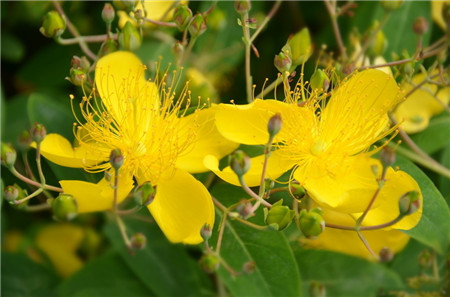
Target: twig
x=337 y=33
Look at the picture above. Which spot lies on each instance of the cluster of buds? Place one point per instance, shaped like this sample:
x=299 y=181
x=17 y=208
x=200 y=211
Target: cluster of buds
x=79 y=70
x=182 y=15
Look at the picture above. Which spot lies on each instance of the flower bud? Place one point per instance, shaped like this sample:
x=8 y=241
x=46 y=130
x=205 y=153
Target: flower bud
x=297 y=190
x=317 y=289
x=242 y=6
x=178 y=49
x=198 y=25
x=8 y=154
x=420 y=25
x=182 y=14
x=64 y=207
x=77 y=77
x=116 y=158
x=53 y=25
x=244 y=209
x=107 y=47
x=38 y=132
x=206 y=232
x=209 y=263
x=311 y=222
x=387 y=157
x=11 y=193
x=409 y=203
x=386 y=254
x=278 y=217
x=283 y=62
x=129 y=38
x=249 y=267
x=75 y=62
x=269 y=184
x=390 y=5
x=319 y=81
x=145 y=194
x=239 y=162
x=138 y=241
x=379 y=43
x=274 y=125
x=299 y=47
x=85 y=64
x=108 y=13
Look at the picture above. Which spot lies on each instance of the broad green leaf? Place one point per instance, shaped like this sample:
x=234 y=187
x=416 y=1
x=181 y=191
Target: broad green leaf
x=434 y=227
x=436 y=136
x=276 y=272
x=344 y=275
x=21 y=277
x=444 y=183
x=165 y=268
x=107 y=275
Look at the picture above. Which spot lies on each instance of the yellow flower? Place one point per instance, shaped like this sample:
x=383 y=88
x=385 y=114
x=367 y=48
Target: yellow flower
x=328 y=147
x=436 y=12
x=143 y=120
x=421 y=105
x=154 y=10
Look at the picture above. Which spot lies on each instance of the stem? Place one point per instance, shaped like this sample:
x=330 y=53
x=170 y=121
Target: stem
x=129 y=211
x=253 y=194
x=209 y=180
x=38 y=207
x=226 y=211
x=161 y=23
x=39 y=165
x=221 y=231
x=365 y=228
x=366 y=244
x=92 y=38
x=84 y=47
x=32 y=182
x=247 y=42
x=123 y=232
x=188 y=51
x=337 y=33
x=34 y=194
x=266 y=20
x=374 y=197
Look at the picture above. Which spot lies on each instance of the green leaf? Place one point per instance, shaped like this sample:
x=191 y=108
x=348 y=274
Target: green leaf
x=434 y=227
x=276 y=272
x=344 y=275
x=436 y=136
x=444 y=184
x=22 y=277
x=107 y=275
x=165 y=268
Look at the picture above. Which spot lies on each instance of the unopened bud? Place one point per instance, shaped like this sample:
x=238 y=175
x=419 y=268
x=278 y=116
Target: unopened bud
x=390 y=5
x=249 y=267
x=319 y=81
x=182 y=14
x=145 y=194
x=278 y=217
x=8 y=154
x=274 y=125
x=38 y=132
x=108 y=13
x=387 y=157
x=178 y=49
x=75 y=62
x=269 y=184
x=64 y=207
x=209 y=263
x=206 y=232
x=311 y=222
x=77 y=77
x=53 y=25
x=116 y=158
x=386 y=254
x=299 y=47
x=283 y=62
x=409 y=203
x=239 y=162
x=129 y=38
x=138 y=241
x=297 y=190
x=198 y=25
x=245 y=209
x=107 y=47
x=420 y=25
x=242 y=6
x=11 y=193
x=317 y=289
x=85 y=64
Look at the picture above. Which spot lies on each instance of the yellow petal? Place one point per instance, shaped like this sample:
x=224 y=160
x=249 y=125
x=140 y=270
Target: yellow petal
x=436 y=12
x=208 y=140
x=58 y=149
x=59 y=242
x=92 y=197
x=182 y=206
x=277 y=165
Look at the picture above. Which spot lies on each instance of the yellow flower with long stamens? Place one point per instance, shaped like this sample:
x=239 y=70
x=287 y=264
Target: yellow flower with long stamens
x=329 y=148
x=145 y=121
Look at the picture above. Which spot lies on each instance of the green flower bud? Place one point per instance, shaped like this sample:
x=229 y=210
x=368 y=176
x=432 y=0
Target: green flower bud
x=274 y=125
x=107 y=47
x=299 y=47
x=311 y=222
x=386 y=254
x=239 y=162
x=182 y=14
x=269 y=184
x=138 y=241
x=11 y=193
x=319 y=81
x=116 y=158
x=64 y=207
x=145 y=194
x=129 y=38
x=85 y=64
x=38 y=132
x=249 y=267
x=278 y=217
x=198 y=25
x=77 y=77
x=409 y=203
x=108 y=13
x=390 y=5
x=209 y=263
x=297 y=190
x=8 y=154
x=242 y=6
x=379 y=43
x=420 y=25
x=387 y=157
x=244 y=209
x=283 y=62
x=206 y=232
x=53 y=25
x=317 y=289
x=24 y=140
